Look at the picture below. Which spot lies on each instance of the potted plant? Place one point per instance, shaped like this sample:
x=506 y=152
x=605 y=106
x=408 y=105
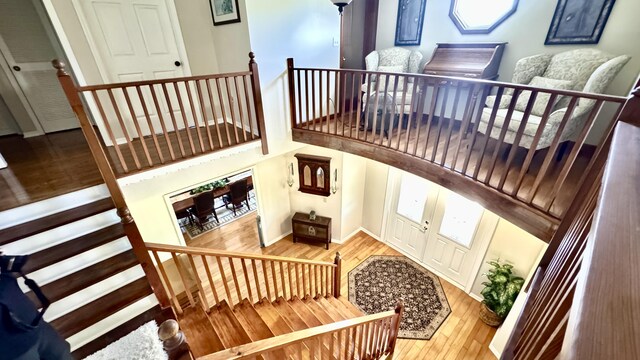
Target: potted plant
x=499 y=293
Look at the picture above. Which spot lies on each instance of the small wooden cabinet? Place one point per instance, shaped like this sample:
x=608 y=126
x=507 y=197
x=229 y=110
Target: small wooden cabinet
x=311 y=230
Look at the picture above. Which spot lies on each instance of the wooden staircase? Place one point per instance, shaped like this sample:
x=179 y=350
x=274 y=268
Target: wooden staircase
x=268 y=307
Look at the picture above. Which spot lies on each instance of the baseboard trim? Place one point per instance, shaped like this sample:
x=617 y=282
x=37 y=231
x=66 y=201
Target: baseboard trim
x=370 y=234
x=495 y=351
x=34 y=133
x=273 y=241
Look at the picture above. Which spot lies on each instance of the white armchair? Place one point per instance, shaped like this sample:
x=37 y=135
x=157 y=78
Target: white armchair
x=585 y=70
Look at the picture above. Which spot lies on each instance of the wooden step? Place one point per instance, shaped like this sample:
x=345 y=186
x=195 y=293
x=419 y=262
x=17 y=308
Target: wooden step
x=67 y=249
x=199 y=332
x=227 y=326
x=257 y=328
x=320 y=312
x=305 y=312
x=332 y=310
x=101 y=308
x=86 y=277
x=289 y=315
x=272 y=318
x=346 y=304
x=33 y=227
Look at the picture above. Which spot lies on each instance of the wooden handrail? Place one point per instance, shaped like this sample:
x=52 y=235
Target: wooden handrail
x=234 y=277
x=377 y=347
x=160 y=81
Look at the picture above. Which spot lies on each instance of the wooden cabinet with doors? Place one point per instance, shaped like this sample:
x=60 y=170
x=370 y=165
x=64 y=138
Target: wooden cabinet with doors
x=318 y=229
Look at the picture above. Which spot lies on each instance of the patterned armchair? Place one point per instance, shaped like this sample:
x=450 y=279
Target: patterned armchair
x=585 y=70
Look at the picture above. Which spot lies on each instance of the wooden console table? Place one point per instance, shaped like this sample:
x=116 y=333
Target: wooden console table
x=311 y=230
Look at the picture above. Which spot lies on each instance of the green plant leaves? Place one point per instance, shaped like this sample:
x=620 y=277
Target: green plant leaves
x=502 y=288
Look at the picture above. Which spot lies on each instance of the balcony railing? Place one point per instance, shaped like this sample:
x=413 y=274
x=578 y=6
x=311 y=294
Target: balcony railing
x=146 y=124
x=527 y=145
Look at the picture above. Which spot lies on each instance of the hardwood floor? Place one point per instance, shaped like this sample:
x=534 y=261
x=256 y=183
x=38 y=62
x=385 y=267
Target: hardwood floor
x=461 y=336
x=45 y=166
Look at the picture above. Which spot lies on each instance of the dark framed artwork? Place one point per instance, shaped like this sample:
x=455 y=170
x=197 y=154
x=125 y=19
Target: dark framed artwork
x=409 y=23
x=578 y=21
x=224 y=11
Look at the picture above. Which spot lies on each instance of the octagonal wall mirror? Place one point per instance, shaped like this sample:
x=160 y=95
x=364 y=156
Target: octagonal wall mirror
x=480 y=16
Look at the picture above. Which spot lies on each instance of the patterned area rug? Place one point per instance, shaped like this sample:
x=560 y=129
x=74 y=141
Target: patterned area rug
x=377 y=283
x=225 y=215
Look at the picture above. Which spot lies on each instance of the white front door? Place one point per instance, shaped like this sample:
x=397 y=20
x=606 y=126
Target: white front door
x=412 y=208
x=27 y=49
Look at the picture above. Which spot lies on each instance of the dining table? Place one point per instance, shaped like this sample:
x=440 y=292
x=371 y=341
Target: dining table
x=187 y=202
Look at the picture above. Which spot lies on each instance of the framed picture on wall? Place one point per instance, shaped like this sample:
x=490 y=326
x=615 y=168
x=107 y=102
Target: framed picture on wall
x=224 y=12
x=578 y=21
x=409 y=23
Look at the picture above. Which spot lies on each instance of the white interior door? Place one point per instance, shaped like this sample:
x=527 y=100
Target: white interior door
x=458 y=237
x=413 y=205
x=136 y=40
x=28 y=50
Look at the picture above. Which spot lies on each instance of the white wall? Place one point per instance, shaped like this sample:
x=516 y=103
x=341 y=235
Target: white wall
x=352 y=187
x=7 y=122
x=232 y=42
x=375 y=189
x=525 y=31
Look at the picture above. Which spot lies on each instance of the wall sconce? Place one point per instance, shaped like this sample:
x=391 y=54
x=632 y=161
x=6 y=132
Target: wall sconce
x=340 y=4
x=334 y=187
x=290 y=175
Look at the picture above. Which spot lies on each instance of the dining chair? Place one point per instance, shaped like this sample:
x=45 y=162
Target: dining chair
x=203 y=207
x=238 y=193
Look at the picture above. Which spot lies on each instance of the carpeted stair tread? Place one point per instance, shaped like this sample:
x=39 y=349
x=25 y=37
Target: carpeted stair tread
x=42 y=224
x=199 y=331
x=305 y=312
x=227 y=326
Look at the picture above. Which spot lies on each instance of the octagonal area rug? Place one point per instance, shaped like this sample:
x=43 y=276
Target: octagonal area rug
x=377 y=283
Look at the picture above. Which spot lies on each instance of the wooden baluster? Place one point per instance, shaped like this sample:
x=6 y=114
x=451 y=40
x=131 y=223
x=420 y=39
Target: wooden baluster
x=284 y=284
x=224 y=113
x=350 y=348
x=476 y=124
x=329 y=278
x=328 y=103
x=487 y=136
x=320 y=102
x=266 y=279
x=125 y=132
x=313 y=97
x=392 y=118
x=395 y=327
x=275 y=280
x=452 y=119
x=304 y=281
x=246 y=279
x=203 y=295
x=354 y=107
x=204 y=113
x=466 y=120
x=503 y=131
x=105 y=121
x=257 y=103
x=248 y=106
x=580 y=139
x=292 y=89
x=236 y=283
x=384 y=110
x=299 y=103
x=183 y=278
x=375 y=111
x=337 y=274
x=365 y=110
x=343 y=344
x=432 y=111
x=552 y=150
x=516 y=140
x=312 y=281
x=154 y=97
x=214 y=114
x=187 y=127
x=240 y=112
x=212 y=285
x=344 y=76
x=224 y=281
x=176 y=130
x=297 y=269
x=443 y=114
x=364 y=341
x=403 y=101
x=299 y=353
x=416 y=85
x=134 y=119
x=145 y=111
x=291 y=291
x=306 y=91
x=255 y=278
x=194 y=115
x=331 y=345
x=167 y=283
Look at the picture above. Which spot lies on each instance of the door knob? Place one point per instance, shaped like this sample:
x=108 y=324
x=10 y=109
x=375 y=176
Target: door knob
x=177 y=63
x=17 y=68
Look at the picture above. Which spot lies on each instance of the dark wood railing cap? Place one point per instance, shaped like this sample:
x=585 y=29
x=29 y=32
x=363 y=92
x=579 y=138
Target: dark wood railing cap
x=636 y=92
x=252 y=57
x=60 y=66
x=399 y=305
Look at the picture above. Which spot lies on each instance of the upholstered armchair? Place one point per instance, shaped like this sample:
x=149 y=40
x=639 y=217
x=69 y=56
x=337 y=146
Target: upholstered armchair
x=393 y=59
x=585 y=70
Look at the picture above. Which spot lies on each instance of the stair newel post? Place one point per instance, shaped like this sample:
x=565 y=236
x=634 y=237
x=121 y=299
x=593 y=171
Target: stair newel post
x=336 y=274
x=292 y=92
x=395 y=327
x=257 y=100
x=109 y=177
